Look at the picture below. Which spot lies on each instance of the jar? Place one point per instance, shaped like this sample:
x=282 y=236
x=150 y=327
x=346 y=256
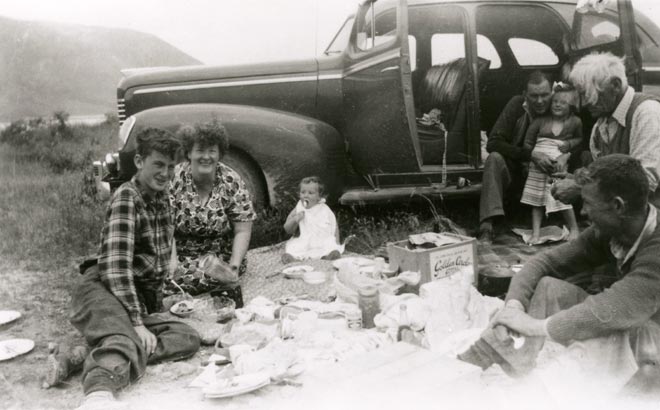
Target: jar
x=354 y=319
x=369 y=305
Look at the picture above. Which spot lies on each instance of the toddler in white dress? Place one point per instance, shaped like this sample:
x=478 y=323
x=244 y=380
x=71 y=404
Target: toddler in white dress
x=319 y=236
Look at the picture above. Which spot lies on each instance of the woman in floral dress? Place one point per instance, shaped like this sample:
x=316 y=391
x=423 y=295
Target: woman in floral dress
x=213 y=211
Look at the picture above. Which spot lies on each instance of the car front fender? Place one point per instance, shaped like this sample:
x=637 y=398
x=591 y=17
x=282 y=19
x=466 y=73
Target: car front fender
x=284 y=147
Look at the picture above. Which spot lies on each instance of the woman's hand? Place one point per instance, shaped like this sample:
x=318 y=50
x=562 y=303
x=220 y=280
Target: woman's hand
x=148 y=339
x=564 y=147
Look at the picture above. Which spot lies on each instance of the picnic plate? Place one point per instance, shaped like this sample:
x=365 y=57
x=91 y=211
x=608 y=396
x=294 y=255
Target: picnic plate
x=8 y=316
x=356 y=260
x=296 y=272
x=314 y=277
x=237 y=385
x=14 y=347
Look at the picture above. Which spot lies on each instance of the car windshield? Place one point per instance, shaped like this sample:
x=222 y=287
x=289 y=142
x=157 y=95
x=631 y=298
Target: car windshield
x=339 y=42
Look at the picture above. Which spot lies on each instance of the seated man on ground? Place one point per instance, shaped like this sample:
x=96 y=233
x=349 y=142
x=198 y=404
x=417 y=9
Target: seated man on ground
x=505 y=167
x=114 y=299
x=625 y=237
x=627 y=122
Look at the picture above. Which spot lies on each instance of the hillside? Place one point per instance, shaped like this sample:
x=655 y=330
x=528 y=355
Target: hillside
x=45 y=67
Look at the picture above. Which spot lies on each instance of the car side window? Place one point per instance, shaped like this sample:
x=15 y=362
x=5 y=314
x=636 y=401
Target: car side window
x=446 y=47
x=528 y=52
x=376 y=27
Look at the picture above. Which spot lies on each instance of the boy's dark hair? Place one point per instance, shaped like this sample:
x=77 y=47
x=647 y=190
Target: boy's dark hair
x=619 y=175
x=156 y=139
x=209 y=134
x=316 y=180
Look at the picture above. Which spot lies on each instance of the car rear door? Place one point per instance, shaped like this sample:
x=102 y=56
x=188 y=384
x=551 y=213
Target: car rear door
x=377 y=91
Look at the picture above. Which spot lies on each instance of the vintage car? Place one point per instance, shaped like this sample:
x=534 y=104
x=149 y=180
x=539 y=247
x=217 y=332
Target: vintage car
x=358 y=116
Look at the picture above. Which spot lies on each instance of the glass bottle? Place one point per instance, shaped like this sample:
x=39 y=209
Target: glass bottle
x=404 y=332
x=369 y=305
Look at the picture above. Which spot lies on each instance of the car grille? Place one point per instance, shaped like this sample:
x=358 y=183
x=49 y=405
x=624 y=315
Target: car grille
x=121 y=110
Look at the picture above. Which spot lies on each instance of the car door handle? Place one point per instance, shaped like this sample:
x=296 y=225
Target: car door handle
x=390 y=68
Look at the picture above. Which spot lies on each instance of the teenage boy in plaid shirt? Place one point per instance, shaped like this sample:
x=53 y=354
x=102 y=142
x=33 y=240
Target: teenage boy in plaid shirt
x=115 y=300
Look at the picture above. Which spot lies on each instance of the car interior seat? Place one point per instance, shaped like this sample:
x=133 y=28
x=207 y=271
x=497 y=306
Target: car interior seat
x=443 y=87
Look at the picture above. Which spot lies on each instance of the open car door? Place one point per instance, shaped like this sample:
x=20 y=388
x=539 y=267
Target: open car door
x=609 y=29
x=377 y=91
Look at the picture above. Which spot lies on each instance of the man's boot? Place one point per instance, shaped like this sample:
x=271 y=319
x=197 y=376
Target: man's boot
x=61 y=364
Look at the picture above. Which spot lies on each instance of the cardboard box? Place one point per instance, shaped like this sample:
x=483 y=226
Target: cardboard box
x=438 y=262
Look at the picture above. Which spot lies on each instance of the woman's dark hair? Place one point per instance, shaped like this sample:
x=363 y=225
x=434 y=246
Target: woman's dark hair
x=618 y=175
x=156 y=139
x=316 y=180
x=209 y=134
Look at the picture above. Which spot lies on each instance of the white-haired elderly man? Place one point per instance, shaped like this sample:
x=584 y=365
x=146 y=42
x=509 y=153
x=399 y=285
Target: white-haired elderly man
x=628 y=122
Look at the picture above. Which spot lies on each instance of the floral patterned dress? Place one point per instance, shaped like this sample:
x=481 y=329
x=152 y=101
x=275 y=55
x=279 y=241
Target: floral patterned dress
x=202 y=228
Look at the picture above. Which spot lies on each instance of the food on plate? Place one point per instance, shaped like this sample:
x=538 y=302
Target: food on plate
x=182 y=309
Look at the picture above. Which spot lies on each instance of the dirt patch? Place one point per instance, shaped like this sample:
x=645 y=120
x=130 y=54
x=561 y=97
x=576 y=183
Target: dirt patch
x=43 y=299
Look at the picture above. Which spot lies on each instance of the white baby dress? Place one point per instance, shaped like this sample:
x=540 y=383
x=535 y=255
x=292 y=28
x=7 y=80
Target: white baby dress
x=317 y=233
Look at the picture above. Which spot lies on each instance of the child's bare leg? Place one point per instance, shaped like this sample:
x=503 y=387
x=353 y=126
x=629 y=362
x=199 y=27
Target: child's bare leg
x=569 y=217
x=537 y=218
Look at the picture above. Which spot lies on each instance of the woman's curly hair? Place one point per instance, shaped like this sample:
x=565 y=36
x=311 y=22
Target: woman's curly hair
x=209 y=134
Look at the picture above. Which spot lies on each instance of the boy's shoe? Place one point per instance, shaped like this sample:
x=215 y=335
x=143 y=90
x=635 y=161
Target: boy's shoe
x=102 y=400
x=334 y=255
x=60 y=365
x=287 y=258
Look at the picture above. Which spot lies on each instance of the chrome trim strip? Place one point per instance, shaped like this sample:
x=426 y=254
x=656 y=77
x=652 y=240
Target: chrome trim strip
x=338 y=76
x=654 y=69
x=267 y=80
x=363 y=65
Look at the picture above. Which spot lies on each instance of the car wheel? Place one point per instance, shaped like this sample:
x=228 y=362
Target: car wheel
x=250 y=175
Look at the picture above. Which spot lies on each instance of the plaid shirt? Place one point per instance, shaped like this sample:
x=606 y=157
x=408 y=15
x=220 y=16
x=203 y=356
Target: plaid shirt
x=135 y=248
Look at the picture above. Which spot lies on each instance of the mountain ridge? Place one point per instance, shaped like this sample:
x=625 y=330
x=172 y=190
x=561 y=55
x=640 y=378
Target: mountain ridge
x=47 y=66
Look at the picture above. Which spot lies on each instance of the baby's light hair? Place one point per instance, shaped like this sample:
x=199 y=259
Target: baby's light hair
x=316 y=180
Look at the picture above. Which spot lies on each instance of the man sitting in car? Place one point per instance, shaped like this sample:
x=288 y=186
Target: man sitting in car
x=505 y=167
x=628 y=122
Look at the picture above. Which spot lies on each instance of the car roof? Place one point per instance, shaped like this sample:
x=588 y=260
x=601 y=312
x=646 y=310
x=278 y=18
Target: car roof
x=418 y=2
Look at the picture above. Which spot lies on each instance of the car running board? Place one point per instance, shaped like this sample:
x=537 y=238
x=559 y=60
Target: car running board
x=402 y=194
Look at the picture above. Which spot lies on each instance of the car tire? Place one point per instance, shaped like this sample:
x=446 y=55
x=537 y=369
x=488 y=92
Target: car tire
x=250 y=175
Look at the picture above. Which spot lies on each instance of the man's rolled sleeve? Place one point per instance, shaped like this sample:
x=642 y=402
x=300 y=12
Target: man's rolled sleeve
x=644 y=141
x=117 y=251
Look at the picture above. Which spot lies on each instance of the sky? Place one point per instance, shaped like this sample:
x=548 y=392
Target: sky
x=213 y=31
x=219 y=31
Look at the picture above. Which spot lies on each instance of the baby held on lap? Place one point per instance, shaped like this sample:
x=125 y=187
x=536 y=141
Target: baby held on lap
x=318 y=236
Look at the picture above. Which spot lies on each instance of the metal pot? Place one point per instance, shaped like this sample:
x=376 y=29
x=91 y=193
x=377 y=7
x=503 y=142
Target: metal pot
x=494 y=280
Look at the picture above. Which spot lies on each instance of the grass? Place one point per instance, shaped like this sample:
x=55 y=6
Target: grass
x=49 y=219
